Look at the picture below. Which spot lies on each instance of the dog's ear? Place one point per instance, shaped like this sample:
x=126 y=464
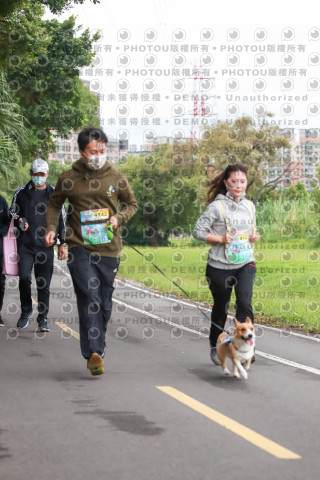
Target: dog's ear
x=248 y=320
x=235 y=322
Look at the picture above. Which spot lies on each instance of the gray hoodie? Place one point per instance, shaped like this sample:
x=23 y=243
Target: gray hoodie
x=240 y=221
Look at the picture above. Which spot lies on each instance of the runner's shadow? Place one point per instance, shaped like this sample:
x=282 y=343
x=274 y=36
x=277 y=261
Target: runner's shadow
x=71 y=376
x=215 y=377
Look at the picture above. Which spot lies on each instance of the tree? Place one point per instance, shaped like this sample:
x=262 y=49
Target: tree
x=90 y=107
x=55 y=169
x=315 y=203
x=7 y=7
x=13 y=136
x=296 y=192
x=48 y=87
x=57 y=6
x=242 y=141
x=40 y=86
x=23 y=38
x=8 y=186
x=165 y=183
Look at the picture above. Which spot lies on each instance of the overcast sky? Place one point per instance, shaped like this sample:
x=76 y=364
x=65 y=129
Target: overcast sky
x=251 y=57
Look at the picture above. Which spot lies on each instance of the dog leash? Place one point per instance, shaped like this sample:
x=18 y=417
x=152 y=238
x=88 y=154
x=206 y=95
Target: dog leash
x=110 y=228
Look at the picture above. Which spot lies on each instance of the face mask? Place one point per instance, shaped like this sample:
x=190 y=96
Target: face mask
x=96 y=161
x=235 y=198
x=39 y=181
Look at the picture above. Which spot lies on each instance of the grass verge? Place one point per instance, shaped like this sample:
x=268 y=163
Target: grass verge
x=287 y=286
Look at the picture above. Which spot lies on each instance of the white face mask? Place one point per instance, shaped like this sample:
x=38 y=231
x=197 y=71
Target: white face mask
x=38 y=181
x=96 y=161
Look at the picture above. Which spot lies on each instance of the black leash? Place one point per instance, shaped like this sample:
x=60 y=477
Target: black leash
x=174 y=283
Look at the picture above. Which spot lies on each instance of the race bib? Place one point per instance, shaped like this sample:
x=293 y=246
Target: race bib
x=99 y=214
x=96 y=233
x=239 y=250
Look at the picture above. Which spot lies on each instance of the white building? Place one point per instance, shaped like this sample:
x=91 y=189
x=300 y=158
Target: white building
x=300 y=161
x=67 y=150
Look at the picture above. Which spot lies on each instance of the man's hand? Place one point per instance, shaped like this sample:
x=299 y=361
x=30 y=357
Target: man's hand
x=114 y=222
x=62 y=252
x=26 y=225
x=49 y=238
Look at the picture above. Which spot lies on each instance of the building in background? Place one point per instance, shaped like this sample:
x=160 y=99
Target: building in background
x=152 y=142
x=164 y=140
x=309 y=155
x=67 y=150
x=300 y=162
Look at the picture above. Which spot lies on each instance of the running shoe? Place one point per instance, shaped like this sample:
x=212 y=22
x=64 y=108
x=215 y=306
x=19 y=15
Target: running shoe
x=43 y=325
x=23 y=321
x=213 y=356
x=95 y=364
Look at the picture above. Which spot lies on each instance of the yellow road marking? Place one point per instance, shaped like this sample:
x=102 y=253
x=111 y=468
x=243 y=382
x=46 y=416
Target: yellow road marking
x=235 y=427
x=69 y=330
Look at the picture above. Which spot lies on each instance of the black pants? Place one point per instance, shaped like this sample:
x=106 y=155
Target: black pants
x=93 y=278
x=221 y=283
x=41 y=258
x=2 y=282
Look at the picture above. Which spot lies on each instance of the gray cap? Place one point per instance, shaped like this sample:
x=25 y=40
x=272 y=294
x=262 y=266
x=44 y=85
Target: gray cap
x=39 y=165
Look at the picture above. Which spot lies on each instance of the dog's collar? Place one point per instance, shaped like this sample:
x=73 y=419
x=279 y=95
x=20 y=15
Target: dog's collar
x=239 y=348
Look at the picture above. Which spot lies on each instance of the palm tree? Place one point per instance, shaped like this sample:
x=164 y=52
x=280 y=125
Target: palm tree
x=13 y=134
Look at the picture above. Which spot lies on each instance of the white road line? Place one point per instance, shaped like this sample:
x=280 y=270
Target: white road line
x=160 y=295
x=288 y=332
x=230 y=317
x=162 y=320
x=289 y=363
x=189 y=304
x=284 y=361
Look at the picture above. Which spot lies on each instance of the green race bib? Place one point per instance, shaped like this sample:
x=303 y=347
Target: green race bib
x=239 y=250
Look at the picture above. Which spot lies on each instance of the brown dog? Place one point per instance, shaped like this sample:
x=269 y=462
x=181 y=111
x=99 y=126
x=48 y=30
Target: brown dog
x=240 y=349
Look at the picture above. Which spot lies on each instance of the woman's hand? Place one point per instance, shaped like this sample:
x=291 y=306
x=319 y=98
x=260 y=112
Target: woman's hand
x=227 y=238
x=255 y=237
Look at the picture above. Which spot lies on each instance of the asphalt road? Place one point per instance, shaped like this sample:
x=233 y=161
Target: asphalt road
x=162 y=410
